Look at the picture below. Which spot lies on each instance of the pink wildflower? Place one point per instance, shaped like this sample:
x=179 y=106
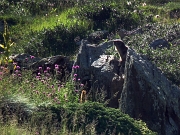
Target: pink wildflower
x=17 y=67
x=32 y=57
x=48 y=68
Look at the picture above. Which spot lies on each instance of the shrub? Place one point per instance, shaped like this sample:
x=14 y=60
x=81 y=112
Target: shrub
x=77 y=117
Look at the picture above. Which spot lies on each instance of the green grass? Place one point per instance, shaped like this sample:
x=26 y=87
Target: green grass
x=49 y=21
x=13 y=130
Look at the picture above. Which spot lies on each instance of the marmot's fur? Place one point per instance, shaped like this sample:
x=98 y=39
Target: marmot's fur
x=121 y=48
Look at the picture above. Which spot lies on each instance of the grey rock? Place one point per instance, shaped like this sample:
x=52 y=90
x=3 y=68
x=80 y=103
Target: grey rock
x=99 y=72
x=26 y=61
x=64 y=66
x=97 y=36
x=160 y=43
x=148 y=95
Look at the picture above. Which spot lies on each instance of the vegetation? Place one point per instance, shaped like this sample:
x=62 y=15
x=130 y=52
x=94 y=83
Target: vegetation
x=41 y=28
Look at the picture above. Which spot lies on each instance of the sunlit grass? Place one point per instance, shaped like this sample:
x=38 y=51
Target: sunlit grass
x=49 y=21
x=14 y=130
x=160 y=13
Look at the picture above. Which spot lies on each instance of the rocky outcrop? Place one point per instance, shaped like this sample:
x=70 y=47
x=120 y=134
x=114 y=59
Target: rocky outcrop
x=99 y=72
x=59 y=65
x=148 y=95
x=24 y=60
x=145 y=93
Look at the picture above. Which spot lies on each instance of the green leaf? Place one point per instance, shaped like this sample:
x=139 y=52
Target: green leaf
x=2 y=46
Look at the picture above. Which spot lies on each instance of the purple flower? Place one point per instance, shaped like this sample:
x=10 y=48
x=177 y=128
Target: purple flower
x=17 y=67
x=16 y=71
x=75 y=75
x=79 y=79
x=76 y=90
x=74 y=67
x=14 y=63
x=48 y=68
x=82 y=84
x=45 y=71
x=37 y=77
x=74 y=79
x=40 y=68
x=56 y=67
x=32 y=57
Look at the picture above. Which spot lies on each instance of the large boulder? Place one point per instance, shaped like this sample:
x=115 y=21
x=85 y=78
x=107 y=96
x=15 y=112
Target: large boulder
x=148 y=95
x=99 y=72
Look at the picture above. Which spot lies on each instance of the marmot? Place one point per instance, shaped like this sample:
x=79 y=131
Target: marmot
x=121 y=48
